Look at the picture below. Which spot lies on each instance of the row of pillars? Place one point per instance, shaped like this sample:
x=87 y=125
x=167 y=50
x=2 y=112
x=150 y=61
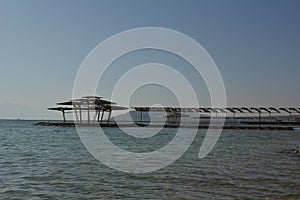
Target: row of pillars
x=177 y=118
x=270 y=116
x=78 y=113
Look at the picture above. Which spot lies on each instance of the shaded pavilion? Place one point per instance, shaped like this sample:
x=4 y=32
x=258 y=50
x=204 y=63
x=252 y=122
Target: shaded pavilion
x=90 y=105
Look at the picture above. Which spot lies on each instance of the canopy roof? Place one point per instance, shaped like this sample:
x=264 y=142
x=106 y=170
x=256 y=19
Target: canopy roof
x=88 y=103
x=220 y=110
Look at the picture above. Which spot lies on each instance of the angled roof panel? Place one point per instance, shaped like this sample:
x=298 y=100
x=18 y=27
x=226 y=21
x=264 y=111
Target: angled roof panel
x=285 y=110
x=274 y=109
x=265 y=109
x=247 y=109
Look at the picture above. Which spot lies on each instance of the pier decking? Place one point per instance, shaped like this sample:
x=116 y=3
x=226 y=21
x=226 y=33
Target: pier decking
x=244 y=127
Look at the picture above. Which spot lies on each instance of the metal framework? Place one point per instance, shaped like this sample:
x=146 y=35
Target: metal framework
x=98 y=106
x=88 y=104
x=176 y=111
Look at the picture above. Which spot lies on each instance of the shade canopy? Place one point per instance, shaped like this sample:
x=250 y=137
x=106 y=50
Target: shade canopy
x=89 y=104
x=243 y=110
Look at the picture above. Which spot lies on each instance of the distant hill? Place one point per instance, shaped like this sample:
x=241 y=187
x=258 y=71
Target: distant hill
x=135 y=116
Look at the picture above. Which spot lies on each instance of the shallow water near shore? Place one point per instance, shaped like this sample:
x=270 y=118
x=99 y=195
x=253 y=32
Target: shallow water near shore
x=39 y=162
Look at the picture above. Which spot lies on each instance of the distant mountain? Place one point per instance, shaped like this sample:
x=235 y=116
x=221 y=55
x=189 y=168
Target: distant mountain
x=136 y=116
x=153 y=117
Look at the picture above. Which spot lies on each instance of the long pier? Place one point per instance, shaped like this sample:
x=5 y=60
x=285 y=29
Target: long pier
x=94 y=108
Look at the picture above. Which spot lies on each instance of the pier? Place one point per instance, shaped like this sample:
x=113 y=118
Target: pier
x=91 y=111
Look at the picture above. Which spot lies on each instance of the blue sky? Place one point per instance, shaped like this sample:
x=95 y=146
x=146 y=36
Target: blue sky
x=254 y=43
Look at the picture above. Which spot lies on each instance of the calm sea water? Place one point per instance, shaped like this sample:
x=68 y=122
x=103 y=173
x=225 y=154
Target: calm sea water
x=52 y=163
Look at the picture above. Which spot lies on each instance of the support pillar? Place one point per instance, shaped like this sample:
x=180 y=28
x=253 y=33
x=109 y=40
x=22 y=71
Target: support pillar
x=64 y=115
x=102 y=116
x=259 y=117
x=88 y=111
x=108 y=119
x=98 y=117
x=95 y=116
x=76 y=114
x=80 y=114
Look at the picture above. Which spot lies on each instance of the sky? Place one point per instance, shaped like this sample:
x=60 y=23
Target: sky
x=254 y=43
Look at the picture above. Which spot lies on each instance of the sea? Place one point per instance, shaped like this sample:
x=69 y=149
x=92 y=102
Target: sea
x=46 y=162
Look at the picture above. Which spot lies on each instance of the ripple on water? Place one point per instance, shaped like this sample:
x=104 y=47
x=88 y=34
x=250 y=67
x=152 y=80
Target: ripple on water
x=51 y=163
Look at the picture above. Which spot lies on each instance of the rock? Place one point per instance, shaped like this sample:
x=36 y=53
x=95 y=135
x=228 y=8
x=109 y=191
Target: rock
x=297 y=152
